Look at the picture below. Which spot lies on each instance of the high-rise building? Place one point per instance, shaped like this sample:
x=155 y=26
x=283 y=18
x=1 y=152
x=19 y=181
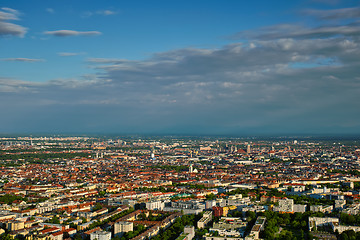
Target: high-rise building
x=286 y=205
x=123 y=227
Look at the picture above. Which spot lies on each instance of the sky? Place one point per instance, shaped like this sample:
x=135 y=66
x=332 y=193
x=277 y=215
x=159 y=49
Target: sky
x=207 y=67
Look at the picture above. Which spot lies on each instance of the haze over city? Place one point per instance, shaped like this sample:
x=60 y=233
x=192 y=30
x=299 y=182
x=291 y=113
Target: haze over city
x=180 y=67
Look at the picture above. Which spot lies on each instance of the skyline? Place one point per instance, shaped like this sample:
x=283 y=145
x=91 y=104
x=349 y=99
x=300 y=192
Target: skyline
x=180 y=67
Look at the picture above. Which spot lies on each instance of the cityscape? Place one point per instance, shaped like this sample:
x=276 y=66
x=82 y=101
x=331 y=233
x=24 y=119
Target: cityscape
x=179 y=120
x=91 y=187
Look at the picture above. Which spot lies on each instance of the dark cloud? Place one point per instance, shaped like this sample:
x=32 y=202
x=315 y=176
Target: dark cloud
x=67 y=33
x=7 y=28
x=296 y=31
x=23 y=60
x=334 y=14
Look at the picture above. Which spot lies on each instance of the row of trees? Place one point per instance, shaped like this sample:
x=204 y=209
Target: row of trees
x=288 y=226
x=111 y=219
x=9 y=198
x=129 y=235
x=42 y=156
x=349 y=235
x=178 y=227
x=347 y=219
x=179 y=168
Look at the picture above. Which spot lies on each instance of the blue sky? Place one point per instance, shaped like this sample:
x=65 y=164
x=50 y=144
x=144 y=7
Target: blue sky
x=185 y=67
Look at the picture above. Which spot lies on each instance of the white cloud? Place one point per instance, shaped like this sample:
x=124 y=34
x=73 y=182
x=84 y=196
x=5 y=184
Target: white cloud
x=68 y=54
x=67 y=33
x=7 y=28
x=106 y=12
x=50 y=10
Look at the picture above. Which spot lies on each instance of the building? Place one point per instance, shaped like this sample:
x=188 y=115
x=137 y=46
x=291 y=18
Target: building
x=207 y=216
x=230 y=223
x=320 y=208
x=315 y=222
x=100 y=235
x=341 y=228
x=286 y=205
x=209 y=204
x=188 y=234
x=227 y=228
x=218 y=211
x=187 y=207
x=301 y=208
x=339 y=204
x=123 y=227
x=15 y=225
x=155 y=205
x=56 y=236
x=258 y=226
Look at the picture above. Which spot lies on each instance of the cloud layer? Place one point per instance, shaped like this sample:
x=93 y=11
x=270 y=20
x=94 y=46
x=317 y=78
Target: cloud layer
x=8 y=28
x=277 y=79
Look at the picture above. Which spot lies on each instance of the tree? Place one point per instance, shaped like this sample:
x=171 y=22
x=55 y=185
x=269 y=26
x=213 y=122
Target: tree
x=55 y=220
x=250 y=216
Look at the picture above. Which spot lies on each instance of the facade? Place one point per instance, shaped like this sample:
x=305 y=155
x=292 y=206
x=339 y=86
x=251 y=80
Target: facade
x=286 y=205
x=100 y=235
x=15 y=225
x=187 y=207
x=209 y=204
x=207 y=216
x=155 y=205
x=339 y=204
x=320 y=208
x=227 y=228
x=300 y=208
x=341 y=228
x=56 y=236
x=315 y=222
x=123 y=227
x=229 y=223
x=258 y=226
x=188 y=234
x=218 y=211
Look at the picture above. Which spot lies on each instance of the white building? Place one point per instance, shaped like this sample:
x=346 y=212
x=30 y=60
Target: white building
x=155 y=205
x=300 y=208
x=286 y=205
x=320 y=208
x=339 y=204
x=123 y=227
x=341 y=228
x=188 y=234
x=315 y=222
x=100 y=235
x=209 y=204
x=207 y=216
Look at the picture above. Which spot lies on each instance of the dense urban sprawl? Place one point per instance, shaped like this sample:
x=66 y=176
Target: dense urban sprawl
x=55 y=188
